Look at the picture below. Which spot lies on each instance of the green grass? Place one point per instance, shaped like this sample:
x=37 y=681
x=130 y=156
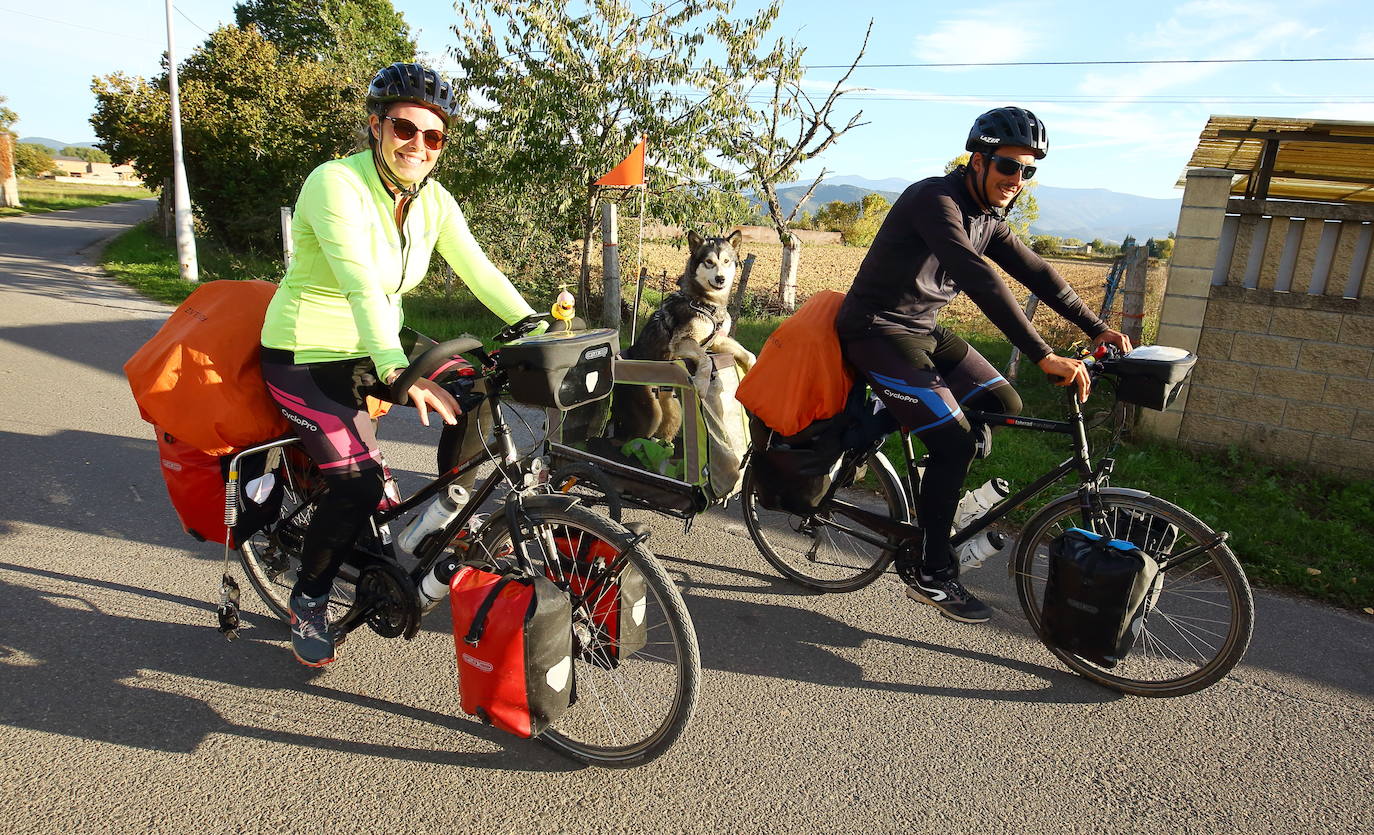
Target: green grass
x=48 y=196
x=1292 y=529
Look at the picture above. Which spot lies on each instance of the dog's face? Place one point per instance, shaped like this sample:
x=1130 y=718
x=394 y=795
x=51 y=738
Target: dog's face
x=712 y=266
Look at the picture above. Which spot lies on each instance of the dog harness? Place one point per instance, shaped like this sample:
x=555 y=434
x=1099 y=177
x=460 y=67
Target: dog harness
x=709 y=312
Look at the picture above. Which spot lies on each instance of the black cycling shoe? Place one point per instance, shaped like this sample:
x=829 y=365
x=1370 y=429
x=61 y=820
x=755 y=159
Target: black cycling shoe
x=951 y=598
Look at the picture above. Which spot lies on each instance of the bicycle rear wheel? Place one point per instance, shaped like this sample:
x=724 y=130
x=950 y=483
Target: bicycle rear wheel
x=272 y=557
x=633 y=702
x=1199 y=624
x=810 y=550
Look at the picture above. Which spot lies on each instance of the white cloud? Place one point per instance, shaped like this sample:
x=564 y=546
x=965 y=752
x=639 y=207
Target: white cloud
x=967 y=36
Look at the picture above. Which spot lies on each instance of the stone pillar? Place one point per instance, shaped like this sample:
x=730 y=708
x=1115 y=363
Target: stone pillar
x=1196 y=245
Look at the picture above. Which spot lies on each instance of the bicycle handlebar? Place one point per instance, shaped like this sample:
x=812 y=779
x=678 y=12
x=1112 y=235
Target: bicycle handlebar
x=430 y=361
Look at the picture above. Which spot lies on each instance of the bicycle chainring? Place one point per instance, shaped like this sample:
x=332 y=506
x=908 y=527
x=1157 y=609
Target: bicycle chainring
x=395 y=608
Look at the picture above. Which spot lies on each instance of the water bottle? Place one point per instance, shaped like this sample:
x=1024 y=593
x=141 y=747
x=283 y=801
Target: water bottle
x=435 y=585
x=976 y=502
x=439 y=513
x=983 y=546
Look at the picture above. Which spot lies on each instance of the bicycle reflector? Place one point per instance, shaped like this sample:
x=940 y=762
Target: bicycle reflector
x=228 y=610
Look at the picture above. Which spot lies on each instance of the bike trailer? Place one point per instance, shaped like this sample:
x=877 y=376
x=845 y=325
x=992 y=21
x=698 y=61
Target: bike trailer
x=617 y=607
x=513 y=635
x=560 y=369
x=1097 y=595
x=703 y=464
x=1152 y=375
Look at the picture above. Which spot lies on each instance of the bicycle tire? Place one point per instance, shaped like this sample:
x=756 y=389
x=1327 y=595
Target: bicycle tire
x=807 y=551
x=591 y=485
x=610 y=725
x=272 y=558
x=1199 y=626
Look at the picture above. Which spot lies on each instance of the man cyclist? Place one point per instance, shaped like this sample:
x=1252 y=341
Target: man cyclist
x=363 y=232
x=930 y=248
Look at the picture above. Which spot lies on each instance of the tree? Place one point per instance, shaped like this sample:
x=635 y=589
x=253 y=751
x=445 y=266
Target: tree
x=7 y=117
x=87 y=154
x=837 y=216
x=31 y=160
x=1128 y=243
x=1097 y=244
x=254 y=124
x=1045 y=244
x=787 y=129
x=364 y=35
x=1025 y=211
x=873 y=211
x=555 y=100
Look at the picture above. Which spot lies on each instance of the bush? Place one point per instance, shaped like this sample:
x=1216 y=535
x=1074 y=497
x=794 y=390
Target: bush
x=1045 y=244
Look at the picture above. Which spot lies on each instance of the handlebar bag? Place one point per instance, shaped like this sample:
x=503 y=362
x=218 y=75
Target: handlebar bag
x=560 y=369
x=513 y=635
x=800 y=376
x=1152 y=375
x=617 y=606
x=1097 y=596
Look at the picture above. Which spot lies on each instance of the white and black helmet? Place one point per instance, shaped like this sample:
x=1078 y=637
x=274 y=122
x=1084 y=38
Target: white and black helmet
x=413 y=83
x=1008 y=126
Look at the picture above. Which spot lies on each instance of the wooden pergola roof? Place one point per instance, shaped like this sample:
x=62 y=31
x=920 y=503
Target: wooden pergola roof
x=1296 y=159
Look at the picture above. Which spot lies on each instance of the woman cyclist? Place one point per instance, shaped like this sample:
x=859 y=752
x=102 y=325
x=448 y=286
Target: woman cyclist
x=363 y=232
x=928 y=250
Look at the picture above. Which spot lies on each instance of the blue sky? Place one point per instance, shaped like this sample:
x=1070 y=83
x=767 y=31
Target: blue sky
x=1128 y=128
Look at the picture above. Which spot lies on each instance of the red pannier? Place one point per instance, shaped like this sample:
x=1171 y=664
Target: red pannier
x=513 y=636
x=618 y=607
x=195 y=483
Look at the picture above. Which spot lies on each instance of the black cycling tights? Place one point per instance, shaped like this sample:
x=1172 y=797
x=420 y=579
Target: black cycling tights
x=926 y=382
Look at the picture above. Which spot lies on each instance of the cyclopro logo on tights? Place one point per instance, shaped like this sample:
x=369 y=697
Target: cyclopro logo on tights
x=898 y=395
x=297 y=419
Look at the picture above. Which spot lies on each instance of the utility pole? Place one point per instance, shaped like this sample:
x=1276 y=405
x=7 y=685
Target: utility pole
x=186 y=241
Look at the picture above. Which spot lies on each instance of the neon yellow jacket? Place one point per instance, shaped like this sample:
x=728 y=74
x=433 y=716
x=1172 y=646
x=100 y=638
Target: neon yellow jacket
x=341 y=296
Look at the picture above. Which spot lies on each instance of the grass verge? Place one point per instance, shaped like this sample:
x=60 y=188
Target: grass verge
x=48 y=196
x=1292 y=529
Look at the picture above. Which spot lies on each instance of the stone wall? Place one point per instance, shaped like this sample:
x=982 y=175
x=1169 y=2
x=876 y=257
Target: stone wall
x=1287 y=372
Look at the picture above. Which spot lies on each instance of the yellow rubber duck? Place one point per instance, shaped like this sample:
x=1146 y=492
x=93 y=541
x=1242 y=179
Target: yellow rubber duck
x=564 y=308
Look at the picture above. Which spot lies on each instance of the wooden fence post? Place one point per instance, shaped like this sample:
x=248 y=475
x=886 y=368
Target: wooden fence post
x=741 y=288
x=1133 y=294
x=610 y=268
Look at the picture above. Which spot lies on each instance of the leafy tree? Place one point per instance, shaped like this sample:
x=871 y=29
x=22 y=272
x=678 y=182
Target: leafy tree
x=1097 y=244
x=1165 y=248
x=1045 y=244
x=7 y=116
x=837 y=216
x=87 y=154
x=1128 y=243
x=30 y=160
x=365 y=35
x=255 y=122
x=873 y=211
x=1023 y=214
x=556 y=99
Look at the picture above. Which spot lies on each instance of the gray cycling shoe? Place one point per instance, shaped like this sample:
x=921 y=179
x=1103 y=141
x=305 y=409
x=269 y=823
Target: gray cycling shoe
x=310 y=638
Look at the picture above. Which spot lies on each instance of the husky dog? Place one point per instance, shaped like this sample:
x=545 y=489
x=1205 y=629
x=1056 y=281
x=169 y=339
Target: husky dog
x=686 y=325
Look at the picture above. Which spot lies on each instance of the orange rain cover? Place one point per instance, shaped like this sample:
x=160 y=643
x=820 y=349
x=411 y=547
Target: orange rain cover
x=198 y=377
x=800 y=376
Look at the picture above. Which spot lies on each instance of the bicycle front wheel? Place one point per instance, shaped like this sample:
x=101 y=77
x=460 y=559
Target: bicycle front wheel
x=812 y=550
x=634 y=696
x=1199 y=623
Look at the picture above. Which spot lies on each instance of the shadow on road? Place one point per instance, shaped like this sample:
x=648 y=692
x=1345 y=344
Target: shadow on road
x=69 y=665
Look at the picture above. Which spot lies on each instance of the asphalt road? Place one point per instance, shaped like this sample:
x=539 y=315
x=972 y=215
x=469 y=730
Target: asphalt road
x=122 y=709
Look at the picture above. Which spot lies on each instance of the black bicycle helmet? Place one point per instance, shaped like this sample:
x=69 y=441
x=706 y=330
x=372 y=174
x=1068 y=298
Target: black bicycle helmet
x=414 y=83
x=1007 y=126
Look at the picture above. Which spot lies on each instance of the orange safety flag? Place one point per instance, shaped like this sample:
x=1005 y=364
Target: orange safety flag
x=630 y=172
x=800 y=376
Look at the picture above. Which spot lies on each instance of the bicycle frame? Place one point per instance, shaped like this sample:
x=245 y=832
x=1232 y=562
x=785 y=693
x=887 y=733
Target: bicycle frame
x=1090 y=478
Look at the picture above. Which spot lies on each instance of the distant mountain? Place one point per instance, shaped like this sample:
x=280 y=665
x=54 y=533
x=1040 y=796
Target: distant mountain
x=54 y=144
x=1083 y=213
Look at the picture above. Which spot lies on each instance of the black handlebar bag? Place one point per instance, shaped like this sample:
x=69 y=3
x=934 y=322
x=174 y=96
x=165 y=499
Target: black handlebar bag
x=1097 y=596
x=513 y=635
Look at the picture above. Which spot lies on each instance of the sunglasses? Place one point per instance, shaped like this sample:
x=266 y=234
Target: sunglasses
x=405 y=131
x=1008 y=166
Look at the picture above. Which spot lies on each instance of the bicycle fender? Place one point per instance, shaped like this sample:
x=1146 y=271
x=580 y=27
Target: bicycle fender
x=882 y=462
x=1035 y=520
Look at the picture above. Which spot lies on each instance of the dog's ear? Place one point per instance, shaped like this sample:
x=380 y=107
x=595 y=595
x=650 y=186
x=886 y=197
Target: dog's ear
x=694 y=241
x=736 y=238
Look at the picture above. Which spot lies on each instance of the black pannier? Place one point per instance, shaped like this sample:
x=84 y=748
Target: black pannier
x=559 y=370
x=793 y=472
x=1152 y=375
x=1097 y=595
